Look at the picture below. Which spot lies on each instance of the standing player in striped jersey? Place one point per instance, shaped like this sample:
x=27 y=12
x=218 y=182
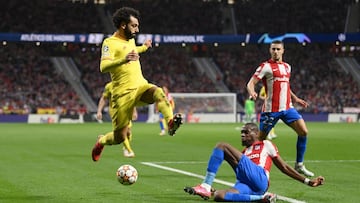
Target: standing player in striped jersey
x=252 y=169
x=275 y=76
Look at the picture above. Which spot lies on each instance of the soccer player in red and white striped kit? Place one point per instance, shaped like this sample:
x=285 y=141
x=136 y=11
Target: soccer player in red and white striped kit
x=275 y=76
x=252 y=168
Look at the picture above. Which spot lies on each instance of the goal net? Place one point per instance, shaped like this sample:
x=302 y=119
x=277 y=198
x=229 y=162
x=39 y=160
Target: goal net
x=201 y=107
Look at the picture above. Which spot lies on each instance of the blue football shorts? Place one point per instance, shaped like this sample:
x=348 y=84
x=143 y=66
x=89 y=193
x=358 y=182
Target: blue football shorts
x=269 y=119
x=251 y=178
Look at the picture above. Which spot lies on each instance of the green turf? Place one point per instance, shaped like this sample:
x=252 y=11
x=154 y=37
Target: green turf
x=52 y=163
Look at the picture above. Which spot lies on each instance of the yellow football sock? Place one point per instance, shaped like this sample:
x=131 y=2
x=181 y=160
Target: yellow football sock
x=163 y=104
x=164 y=124
x=107 y=139
x=127 y=144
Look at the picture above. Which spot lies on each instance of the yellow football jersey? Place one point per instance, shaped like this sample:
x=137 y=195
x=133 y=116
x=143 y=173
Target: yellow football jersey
x=124 y=76
x=107 y=90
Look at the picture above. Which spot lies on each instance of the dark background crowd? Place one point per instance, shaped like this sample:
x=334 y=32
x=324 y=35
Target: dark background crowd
x=30 y=81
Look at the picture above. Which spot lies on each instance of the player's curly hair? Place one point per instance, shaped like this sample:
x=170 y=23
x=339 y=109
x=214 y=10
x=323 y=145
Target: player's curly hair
x=123 y=15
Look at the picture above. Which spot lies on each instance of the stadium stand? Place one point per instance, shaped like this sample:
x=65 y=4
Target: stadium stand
x=315 y=74
x=30 y=83
x=49 y=16
x=176 y=16
x=282 y=16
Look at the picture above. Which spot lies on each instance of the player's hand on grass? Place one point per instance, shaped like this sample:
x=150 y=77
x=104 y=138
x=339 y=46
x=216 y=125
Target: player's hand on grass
x=317 y=181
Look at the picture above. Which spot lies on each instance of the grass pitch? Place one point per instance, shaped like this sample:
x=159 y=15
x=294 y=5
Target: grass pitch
x=52 y=163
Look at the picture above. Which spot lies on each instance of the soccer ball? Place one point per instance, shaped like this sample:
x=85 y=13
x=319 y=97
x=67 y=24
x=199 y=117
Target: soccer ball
x=127 y=174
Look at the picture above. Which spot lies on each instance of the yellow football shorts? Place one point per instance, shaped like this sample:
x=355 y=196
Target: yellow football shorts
x=123 y=105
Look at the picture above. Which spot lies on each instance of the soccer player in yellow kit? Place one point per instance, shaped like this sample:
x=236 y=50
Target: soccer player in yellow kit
x=262 y=95
x=106 y=95
x=120 y=58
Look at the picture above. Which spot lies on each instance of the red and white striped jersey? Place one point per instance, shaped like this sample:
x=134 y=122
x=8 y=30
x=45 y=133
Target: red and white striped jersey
x=261 y=153
x=275 y=77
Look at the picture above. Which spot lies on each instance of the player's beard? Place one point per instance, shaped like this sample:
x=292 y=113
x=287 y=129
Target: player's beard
x=128 y=33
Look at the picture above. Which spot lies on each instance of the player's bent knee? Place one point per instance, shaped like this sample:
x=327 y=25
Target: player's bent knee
x=159 y=95
x=302 y=132
x=221 y=145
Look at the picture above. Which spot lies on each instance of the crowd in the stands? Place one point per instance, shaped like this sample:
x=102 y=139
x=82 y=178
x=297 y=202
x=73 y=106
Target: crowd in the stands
x=29 y=81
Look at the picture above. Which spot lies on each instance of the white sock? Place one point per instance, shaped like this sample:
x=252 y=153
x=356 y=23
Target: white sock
x=206 y=186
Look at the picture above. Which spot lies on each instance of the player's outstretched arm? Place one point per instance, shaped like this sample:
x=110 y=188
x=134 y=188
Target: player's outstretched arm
x=145 y=46
x=291 y=172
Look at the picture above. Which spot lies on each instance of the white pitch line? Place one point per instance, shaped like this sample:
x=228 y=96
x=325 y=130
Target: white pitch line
x=290 y=200
x=307 y=161
x=186 y=173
